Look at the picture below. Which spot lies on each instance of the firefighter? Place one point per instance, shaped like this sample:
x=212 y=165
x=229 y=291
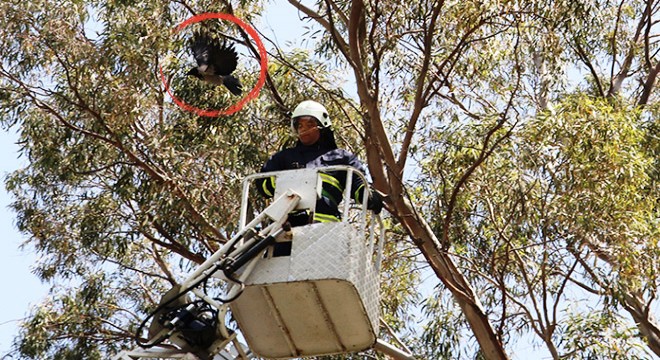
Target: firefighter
x=316 y=147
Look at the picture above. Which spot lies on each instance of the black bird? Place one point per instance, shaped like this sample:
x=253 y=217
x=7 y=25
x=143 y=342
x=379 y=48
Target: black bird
x=215 y=62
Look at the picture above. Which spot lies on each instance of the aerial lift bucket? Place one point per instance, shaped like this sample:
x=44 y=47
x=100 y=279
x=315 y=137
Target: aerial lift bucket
x=321 y=299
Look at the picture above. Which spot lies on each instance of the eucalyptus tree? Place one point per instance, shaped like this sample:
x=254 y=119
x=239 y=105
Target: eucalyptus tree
x=467 y=127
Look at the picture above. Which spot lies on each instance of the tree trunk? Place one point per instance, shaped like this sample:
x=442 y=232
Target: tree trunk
x=444 y=268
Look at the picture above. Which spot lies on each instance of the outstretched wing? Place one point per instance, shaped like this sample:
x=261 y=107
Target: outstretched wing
x=223 y=58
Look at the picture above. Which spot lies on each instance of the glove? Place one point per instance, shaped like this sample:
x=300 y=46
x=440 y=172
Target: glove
x=375 y=202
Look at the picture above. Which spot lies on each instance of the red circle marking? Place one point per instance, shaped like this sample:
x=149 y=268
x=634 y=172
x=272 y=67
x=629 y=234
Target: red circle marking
x=255 y=90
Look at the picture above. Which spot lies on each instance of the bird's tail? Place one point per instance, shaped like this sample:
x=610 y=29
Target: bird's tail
x=233 y=84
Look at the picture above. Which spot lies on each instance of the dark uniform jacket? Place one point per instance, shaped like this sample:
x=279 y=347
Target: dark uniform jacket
x=315 y=156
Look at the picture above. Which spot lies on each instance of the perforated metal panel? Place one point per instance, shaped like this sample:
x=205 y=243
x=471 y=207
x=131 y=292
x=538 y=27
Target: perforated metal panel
x=322 y=299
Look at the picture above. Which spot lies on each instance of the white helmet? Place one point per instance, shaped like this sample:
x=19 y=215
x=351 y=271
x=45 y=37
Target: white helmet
x=314 y=109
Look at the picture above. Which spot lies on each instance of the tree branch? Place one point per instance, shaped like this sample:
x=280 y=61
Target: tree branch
x=419 y=102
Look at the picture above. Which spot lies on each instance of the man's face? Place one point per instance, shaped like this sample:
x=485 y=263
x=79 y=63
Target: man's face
x=308 y=130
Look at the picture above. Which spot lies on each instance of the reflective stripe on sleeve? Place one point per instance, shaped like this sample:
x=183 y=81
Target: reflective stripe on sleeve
x=331 y=180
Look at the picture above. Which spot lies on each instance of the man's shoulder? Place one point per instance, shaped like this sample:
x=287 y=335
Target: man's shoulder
x=348 y=158
x=278 y=160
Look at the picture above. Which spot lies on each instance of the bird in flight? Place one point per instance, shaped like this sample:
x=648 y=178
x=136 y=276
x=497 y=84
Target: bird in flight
x=215 y=62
